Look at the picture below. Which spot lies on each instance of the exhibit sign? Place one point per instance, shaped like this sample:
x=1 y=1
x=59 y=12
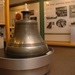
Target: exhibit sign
x=58 y=16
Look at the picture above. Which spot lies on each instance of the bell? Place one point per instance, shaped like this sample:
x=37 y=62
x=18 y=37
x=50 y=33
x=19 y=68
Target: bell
x=26 y=41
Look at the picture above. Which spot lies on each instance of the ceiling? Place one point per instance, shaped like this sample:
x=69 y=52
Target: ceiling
x=14 y=2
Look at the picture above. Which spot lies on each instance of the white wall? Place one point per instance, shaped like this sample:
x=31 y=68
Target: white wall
x=66 y=9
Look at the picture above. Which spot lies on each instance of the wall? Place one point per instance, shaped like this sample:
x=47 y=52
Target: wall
x=58 y=16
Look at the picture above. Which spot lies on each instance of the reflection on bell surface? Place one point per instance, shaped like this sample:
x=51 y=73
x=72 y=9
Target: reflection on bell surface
x=26 y=41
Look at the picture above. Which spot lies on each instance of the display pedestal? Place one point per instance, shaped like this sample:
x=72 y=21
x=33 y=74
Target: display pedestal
x=26 y=66
x=72 y=33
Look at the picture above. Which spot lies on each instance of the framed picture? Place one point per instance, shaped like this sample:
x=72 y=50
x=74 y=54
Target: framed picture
x=72 y=11
x=61 y=11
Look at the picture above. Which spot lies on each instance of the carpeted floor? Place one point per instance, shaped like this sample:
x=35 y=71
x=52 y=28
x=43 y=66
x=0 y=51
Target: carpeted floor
x=63 y=61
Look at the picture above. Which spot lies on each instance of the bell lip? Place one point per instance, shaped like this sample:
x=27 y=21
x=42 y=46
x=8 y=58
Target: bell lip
x=50 y=52
x=12 y=54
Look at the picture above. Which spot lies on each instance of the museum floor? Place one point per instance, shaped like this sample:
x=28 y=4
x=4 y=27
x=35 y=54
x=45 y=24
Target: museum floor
x=63 y=61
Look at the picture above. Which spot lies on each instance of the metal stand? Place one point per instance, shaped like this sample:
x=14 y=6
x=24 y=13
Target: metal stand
x=28 y=66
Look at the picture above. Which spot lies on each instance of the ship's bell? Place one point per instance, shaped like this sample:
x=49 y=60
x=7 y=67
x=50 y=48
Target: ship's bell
x=26 y=41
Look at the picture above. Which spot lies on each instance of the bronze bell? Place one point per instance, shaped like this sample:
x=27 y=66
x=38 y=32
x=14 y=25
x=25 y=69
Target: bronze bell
x=26 y=41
